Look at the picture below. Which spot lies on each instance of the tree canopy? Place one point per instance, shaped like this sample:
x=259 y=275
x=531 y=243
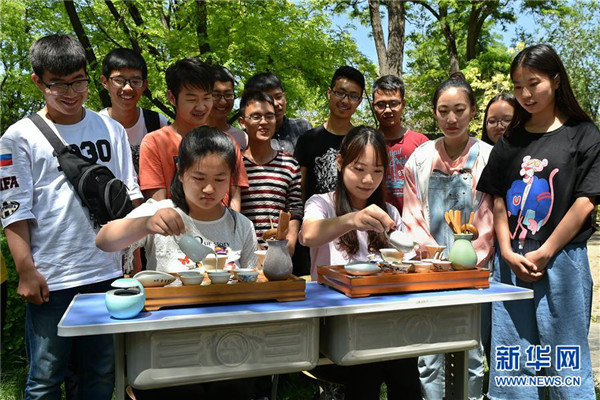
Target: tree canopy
x=291 y=39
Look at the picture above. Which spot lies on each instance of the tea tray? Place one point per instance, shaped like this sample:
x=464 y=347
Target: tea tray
x=336 y=277
x=291 y=289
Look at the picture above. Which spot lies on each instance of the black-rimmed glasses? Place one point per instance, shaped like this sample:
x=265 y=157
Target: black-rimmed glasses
x=225 y=96
x=341 y=95
x=119 y=81
x=258 y=117
x=59 y=88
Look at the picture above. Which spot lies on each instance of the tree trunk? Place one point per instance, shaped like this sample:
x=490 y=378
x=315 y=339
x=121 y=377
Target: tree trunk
x=390 y=58
x=89 y=52
x=450 y=40
x=396 y=21
x=479 y=13
x=201 y=26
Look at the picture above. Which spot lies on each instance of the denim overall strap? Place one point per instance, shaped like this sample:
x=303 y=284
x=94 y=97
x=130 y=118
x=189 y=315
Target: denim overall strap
x=450 y=192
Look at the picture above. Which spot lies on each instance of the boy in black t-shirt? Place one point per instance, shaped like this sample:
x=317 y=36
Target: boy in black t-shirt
x=316 y=150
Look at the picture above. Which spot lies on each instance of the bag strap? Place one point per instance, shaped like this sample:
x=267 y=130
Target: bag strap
x=151 y=120
x=57 y=144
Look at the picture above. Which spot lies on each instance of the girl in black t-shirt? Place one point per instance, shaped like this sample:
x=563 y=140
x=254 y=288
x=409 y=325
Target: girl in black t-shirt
x=544 y=175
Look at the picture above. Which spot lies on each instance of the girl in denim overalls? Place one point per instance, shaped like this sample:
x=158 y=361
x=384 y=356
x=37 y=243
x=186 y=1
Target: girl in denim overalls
x=442 y=175
x=545 y=176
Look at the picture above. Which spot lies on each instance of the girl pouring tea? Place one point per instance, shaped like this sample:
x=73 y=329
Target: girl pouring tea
x=206 y=162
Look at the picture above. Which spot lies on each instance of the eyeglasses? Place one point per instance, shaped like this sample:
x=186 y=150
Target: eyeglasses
x=119 y=81
x=496 y=122
x=58 y=88
x=341 y=95
x=258 y=117
x=225 y=96
x=382 y=105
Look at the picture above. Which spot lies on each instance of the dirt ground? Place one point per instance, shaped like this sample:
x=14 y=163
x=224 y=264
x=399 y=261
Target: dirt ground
x=594 y=337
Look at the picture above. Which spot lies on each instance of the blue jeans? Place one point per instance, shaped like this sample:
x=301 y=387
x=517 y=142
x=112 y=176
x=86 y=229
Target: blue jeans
x=558 y=314
x=49 y=354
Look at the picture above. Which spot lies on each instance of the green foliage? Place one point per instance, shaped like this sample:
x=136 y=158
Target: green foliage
x=13 y=335
x=293 y=40
x=576 y=37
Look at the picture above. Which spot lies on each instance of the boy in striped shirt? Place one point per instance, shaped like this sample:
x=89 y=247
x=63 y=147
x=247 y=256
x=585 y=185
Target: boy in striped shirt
x=273 y=175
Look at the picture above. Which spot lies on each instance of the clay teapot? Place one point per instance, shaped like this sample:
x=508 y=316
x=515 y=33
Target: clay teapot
x=462 y=254
x=278 y=263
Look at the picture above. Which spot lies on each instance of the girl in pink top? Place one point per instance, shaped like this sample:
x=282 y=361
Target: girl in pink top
x=442 y=175
x=346 y=225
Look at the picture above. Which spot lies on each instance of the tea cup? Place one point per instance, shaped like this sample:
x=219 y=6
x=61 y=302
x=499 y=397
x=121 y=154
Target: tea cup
x=422 y=267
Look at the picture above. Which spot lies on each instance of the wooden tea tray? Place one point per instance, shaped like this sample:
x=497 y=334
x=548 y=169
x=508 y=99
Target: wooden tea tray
x=336 y=277
x=292 y=289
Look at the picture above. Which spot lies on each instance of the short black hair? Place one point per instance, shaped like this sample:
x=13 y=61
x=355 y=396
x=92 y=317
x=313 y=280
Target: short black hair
x=124 y=58
x=59 y=54
x=222 y=74
x=349 y=73
x=254 y=95
x=389 y=83
x=263 y=82
x=192 y=72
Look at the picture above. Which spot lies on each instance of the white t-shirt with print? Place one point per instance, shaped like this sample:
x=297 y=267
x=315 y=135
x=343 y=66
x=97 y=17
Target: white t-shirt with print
x=232 y=231
x=62 y=236
x=136 y=133
x=321 y=206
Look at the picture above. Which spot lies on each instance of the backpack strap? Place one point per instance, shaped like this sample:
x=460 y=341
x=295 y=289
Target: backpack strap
x=151 y=120
x=57 y=144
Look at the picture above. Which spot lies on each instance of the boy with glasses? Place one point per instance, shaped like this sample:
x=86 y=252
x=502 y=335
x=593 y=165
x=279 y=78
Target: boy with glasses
x=388 y=104
x=317 y=149
x=273 y=175
x=125 y=77
x=190 y=83
x=223 y=97
x=49 y=231
x=287 y=130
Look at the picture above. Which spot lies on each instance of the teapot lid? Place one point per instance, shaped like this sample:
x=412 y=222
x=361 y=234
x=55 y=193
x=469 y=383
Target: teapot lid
x=125 y=283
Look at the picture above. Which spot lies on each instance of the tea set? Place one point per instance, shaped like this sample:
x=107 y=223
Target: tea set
x=401 y=257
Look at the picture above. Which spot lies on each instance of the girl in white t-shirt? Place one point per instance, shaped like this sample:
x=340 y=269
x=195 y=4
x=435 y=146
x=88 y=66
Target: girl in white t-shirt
x=206 y=162
x=347 y=224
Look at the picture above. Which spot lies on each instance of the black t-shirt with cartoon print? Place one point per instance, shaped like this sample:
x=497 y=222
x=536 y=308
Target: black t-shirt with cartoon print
x=317 y=150
x=540 y=175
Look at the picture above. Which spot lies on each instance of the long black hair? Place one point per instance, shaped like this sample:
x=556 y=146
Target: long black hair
x=352 y=147
x=544 y=59
x=507 y=97
x=199 y=143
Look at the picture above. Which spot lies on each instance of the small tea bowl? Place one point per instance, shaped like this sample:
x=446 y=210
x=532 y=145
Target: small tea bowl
x=441 y=265
x=422 y=267
x=391 y=255
x=217 y=277
x=246 y=276
x=190 y=278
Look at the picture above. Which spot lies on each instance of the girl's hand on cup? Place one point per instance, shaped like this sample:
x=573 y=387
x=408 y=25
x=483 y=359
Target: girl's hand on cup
x=523 y=268
x=373 y=218
x=166 y=222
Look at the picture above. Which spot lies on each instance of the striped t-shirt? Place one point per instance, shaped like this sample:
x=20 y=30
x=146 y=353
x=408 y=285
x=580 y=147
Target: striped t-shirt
x=273 y=187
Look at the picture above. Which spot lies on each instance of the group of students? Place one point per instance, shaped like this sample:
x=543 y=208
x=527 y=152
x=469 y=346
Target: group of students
x=345 y=186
